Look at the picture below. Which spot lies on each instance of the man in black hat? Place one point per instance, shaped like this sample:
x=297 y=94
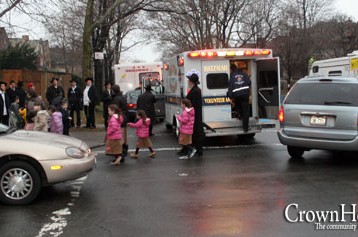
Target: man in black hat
x=90 y=98
x=146 y=102
x=74 y=95
x=4 y=104
x=195 y=98
x=107 y=97
x=55 y=93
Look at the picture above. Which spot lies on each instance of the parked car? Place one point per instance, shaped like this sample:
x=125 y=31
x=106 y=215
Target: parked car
x=320 y=113
x=30 y=160
x=132 y=97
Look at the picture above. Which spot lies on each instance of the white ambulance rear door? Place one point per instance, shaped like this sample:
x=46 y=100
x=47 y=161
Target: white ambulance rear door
x=215 y=82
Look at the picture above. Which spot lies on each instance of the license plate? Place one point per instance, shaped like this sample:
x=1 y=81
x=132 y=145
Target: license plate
x=320 y=121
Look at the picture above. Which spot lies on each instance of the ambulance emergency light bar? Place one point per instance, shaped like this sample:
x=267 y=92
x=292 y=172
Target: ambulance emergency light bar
x=229 y=53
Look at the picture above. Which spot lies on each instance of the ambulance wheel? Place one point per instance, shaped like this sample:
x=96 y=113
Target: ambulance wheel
x=168 y=126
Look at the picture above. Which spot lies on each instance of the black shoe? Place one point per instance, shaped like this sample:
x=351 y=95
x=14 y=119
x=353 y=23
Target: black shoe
x=122 y=160
x=181 y=152
x=86 y=127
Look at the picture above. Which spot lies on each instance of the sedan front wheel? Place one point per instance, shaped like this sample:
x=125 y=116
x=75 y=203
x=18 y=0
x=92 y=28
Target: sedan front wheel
x=20 y=183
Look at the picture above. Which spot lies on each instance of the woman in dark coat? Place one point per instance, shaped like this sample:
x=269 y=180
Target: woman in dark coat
x=146 y=102
x=195 y=98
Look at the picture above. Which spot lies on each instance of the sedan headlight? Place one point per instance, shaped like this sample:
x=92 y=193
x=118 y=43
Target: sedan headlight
x=75 y=152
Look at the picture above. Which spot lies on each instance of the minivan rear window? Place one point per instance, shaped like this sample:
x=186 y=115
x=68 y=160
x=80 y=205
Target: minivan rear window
x=331 y=94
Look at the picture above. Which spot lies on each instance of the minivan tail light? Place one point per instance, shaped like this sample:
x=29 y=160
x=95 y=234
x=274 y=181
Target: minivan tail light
x=281 y=115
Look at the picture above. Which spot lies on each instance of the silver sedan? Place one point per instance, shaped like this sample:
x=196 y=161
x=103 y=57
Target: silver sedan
x=30 y=160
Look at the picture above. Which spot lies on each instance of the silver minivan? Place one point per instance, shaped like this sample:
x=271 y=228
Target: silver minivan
x=320 y=113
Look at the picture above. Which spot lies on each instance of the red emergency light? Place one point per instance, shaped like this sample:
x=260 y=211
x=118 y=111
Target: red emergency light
x=229 y=53
x=166 y=67
x=181 y=61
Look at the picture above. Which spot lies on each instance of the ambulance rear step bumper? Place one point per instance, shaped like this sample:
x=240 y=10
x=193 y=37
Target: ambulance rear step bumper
x=230 y=131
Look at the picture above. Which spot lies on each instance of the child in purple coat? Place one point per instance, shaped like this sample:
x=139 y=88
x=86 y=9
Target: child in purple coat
x=142 y=126
x=56 y=125
x=186 y=128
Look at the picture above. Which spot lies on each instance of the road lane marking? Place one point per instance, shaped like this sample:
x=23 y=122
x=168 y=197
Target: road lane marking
x=59 y=218
x=206 y=148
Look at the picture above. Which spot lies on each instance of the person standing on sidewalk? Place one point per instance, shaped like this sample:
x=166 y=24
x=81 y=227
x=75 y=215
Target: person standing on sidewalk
x=4 y=104
x=55 y=93
x=90 y=97
x=107 y=97
x=74 y=95
x=146 y=102
x=195 y=98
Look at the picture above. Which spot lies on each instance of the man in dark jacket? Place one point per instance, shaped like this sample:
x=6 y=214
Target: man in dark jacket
x=90 y=98
x=121 y=102
x=4 y=104
x=74 y=95
x=20 y=92
x=11 y=91
x=107 y=96
x=146 y=102
x=55 y=93
x=195 y=98
x=239 y=93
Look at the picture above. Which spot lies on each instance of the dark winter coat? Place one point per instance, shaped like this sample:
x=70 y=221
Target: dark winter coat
x=75 y=98
x=146 y=102
x=196 y=100
x=239 y=84
x=107 y=100
x=12 y=94
x=52 y=93
x=22 y=96
x=93 y=95
x=121 y=102
x=66 y=121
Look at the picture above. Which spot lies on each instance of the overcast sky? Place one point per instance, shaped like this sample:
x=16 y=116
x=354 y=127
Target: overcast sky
x=148 y=52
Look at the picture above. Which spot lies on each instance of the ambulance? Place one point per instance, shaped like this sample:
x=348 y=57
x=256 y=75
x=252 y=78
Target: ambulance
x=343 y=66
x=132 y=76
x=219 y=117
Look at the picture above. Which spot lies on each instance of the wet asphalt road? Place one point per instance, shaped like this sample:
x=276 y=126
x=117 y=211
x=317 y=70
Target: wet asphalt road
x=241 y=189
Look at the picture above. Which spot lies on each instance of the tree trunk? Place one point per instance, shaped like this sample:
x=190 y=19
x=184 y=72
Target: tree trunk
x=87 y=48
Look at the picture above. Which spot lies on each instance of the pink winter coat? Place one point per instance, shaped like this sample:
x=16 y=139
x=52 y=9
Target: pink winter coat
x=114 y=131
x=186 y=120
x=142 y=130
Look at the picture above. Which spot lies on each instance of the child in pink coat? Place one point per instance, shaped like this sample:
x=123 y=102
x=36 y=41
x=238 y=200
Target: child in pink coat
x=114 y=138
x=186 y=127
x=142 y=126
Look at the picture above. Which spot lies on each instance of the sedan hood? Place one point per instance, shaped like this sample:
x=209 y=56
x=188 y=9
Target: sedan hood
x=45 y=138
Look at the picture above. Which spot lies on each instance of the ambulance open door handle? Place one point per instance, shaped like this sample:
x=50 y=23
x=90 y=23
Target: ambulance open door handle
x=263 y=96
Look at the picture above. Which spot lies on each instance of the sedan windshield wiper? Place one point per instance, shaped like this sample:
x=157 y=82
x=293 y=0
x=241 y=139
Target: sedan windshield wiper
x=337 y=103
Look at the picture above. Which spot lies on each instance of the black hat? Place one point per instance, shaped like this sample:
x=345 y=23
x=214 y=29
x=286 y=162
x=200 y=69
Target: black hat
x=194 y=78
x=108 y=82
x=148 y=87
x=54 y=78
x=20 y=84
x=89 y=79
x=73 y=80
x=2 y=82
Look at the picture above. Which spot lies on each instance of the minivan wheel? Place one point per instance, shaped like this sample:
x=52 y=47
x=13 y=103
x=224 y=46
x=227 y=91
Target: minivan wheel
x=20 y=183
x=295 y=152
